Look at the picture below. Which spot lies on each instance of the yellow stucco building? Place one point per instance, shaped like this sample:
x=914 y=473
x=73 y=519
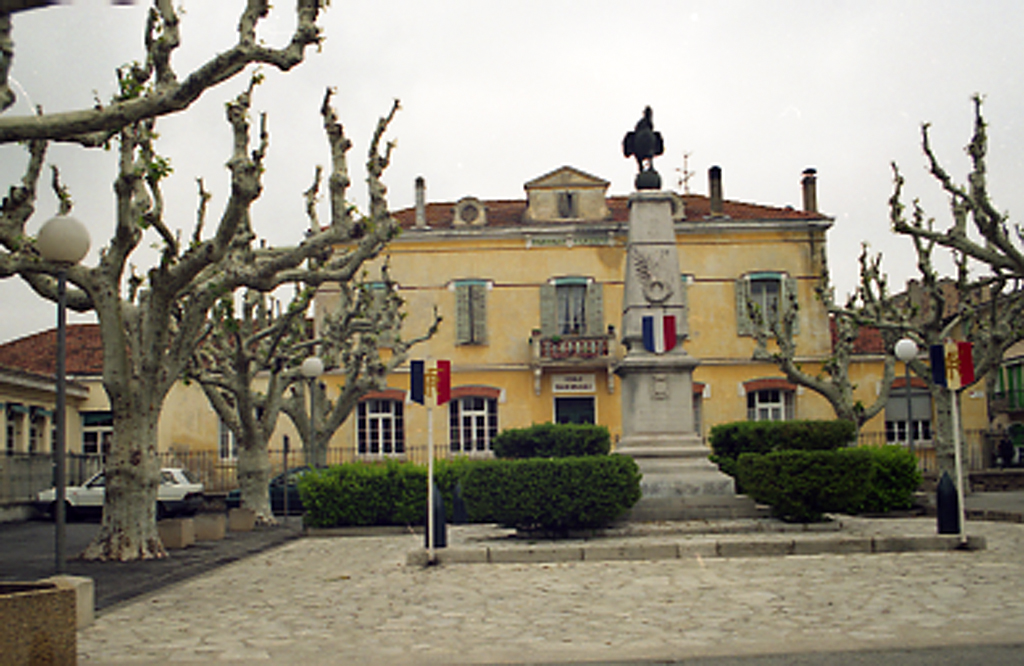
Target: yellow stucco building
x=530 y=291
x=531 y=295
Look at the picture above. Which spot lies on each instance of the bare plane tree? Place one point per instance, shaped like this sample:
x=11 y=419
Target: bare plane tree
x=833 y=381
x=151 y=324
x=236 y=349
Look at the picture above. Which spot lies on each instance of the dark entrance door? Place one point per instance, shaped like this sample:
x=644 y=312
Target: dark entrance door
x=574 y=410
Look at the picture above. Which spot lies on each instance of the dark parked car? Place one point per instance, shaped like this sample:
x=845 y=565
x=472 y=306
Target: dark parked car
x=277 y=489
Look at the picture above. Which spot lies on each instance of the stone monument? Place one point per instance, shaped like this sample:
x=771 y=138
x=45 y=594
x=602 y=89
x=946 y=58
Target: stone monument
x=679 y=482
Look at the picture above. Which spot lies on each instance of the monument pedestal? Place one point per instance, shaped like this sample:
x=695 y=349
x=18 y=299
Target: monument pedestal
x=679 y=482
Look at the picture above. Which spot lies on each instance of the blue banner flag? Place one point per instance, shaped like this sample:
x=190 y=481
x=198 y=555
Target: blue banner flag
x=416 y=381
x=937 y=356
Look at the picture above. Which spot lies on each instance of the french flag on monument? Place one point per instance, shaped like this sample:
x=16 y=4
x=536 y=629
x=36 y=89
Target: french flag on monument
x=659 y=332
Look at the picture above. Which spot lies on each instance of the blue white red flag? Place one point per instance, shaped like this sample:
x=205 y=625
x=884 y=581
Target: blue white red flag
x=433 y=381
x=659 y=333
x=952 y=364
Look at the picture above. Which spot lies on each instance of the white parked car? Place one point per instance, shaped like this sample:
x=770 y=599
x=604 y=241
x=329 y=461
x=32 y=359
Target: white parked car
x=179 y=493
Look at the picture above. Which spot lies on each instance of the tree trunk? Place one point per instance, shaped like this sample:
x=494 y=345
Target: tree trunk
x=129 y=529
x=254 y=478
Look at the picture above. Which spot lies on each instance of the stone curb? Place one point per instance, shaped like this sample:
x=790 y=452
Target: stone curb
x=839 y=545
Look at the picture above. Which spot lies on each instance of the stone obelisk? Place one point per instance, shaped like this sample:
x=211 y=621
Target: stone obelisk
x=679 y=482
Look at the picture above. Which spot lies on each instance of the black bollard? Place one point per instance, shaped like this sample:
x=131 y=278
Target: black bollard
x=947 y=507
x=440 y=528
x=459 y=516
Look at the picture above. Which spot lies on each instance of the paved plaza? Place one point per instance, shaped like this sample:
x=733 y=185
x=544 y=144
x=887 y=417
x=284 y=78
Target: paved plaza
x=356 y=600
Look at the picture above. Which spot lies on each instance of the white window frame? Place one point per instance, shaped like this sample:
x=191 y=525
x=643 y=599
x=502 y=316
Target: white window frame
x=227 y=445
x=896 y=427
x=772 y=404
x=380 y=428
x=571 y=308
x=481 y=429
x=103 y=435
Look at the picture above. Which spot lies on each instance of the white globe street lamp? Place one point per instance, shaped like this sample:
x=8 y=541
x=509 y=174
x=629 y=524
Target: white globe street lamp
x=311 y=369
x=64 y=241
x=906 y=351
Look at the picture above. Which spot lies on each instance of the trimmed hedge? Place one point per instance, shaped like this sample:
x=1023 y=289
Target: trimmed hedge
x=730 y=440
x=801 y=486
x=555 y=494
x=364 y=494
x=895 y=480
x=550 y=440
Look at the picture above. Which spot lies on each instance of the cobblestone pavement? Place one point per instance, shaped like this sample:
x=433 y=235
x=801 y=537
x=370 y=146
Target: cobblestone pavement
x=354 y=600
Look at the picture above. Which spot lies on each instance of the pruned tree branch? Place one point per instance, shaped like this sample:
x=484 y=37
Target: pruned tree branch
x=166 y=94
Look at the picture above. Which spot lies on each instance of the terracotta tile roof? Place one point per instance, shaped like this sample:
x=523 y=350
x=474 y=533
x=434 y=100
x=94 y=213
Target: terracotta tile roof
x=508 y=213
x=37 y=353
x=869 y=339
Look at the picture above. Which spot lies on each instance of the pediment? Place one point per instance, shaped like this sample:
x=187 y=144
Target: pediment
x=566 y=177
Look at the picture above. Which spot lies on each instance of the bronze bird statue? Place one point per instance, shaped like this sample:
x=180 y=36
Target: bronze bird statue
x=643 y=142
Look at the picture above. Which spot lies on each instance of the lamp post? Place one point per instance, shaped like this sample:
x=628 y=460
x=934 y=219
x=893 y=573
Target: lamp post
x=311 y=369
x=906 y=351
x=64 y=241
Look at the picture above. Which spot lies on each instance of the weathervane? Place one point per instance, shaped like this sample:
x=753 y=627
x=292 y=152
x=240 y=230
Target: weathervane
x=685 y=174
x=644 y=144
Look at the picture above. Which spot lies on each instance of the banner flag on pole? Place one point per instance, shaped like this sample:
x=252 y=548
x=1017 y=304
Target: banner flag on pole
x=444 y=381
x=952 y=364
x=937 y=358
x=659 y=332
x=416 y=383
x=424 y=382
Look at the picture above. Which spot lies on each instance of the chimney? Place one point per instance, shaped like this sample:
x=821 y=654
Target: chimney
x=810 y=183
x=421 y=203
x=715 y=190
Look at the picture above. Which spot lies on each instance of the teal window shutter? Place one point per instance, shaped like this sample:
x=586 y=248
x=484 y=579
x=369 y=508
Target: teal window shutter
x=595 y=308
x=463 y=318
x=790 y=294
x=470 y=312
x=548 y=310
x=478 y=312
x=744 y=325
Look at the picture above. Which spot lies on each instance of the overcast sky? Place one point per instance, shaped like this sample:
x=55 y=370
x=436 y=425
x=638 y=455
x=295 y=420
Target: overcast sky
x=496 y=93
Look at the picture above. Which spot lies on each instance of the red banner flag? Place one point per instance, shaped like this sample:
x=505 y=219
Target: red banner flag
x=444 y=381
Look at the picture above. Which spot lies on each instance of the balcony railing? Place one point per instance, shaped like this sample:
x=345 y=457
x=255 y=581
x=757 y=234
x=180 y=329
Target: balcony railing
x=572 y=349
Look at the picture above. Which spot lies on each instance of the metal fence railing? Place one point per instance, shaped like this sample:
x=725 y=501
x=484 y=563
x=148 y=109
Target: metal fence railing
x=23 y=475
x=979 y=446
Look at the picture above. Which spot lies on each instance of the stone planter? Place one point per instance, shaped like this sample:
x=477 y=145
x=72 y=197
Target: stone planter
x=177 y=533
x=241 y=520
x=210 y=526
x=37 y=623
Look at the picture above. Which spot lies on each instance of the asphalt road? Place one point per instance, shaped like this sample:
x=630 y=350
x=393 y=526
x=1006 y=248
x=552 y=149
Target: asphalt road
x=27 y=554
x=960 y=655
